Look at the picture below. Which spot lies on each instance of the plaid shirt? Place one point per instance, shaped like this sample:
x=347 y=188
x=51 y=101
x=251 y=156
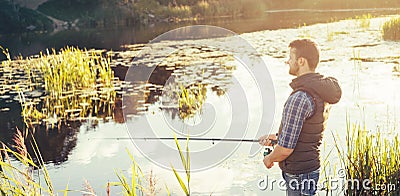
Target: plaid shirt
x=298 y=107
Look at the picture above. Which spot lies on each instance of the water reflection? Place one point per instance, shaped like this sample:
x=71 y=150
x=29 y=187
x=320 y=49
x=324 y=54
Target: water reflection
x=177 y=87
x=166 y=77
x=55 y=146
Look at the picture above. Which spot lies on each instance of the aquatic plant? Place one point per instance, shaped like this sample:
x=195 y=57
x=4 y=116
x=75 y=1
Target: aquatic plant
x=357 y=69
x=364 y=20
x=191 y=100
x=20 y=180
x=329 y=171
x=396 y=70
x=391 y=29
x=186 y=165
x=331 y=34
x=135 y=186
x=76 y=84
x=372 y=158
x=304 y=33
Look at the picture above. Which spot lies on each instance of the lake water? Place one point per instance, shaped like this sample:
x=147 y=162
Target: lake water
x=112 y=37
x=80 y=151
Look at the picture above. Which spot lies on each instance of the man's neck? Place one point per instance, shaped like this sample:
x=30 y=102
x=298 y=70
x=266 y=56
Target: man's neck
x=304 y=72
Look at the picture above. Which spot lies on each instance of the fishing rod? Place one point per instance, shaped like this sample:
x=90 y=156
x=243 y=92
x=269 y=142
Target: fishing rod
x=273 y=142
x=182 y=138
x=267 y=151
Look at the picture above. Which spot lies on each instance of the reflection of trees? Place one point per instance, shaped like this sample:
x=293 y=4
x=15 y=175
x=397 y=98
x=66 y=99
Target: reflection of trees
x=9 y=120
x=134 y=99
x=55 y=145
x=118 y=114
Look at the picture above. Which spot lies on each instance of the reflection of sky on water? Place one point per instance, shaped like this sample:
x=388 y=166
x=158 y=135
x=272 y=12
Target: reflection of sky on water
x=207 y=67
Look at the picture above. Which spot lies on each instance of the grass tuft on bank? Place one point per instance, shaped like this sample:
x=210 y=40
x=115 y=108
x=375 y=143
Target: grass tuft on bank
x=371 y=161
x=391 y=29
x=71 y=84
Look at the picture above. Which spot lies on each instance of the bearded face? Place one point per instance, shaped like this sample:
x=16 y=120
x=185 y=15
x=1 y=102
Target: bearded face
x=292 y=62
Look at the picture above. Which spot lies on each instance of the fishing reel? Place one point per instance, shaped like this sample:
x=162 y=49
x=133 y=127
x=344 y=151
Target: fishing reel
x=269 y=149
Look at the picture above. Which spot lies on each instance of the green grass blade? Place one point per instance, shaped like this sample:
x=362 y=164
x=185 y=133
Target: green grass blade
x=187 y=169
x=180 y=181
x=180 y=153
x=133 y=180
x=66 y=190
x=167 y=189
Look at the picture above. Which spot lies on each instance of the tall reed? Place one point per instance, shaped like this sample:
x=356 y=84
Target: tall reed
x=371 y=158
x=364 y=21
x=136 y=186
x=191 y=100
x=77 y=83
x=20 y=180
x=186 y=165
x=391 y=29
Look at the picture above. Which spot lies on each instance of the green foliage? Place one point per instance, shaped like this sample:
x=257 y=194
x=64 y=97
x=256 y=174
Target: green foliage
x=72 y=78
x=177 y=2
x=16 y=19
x=71 y=9
x=78 y=83
x=72 y=69
x=90 y=13
x=391 y=29
x=19 y=178
x=16 y=180
x=363 y=21
x=304 y=32
x=370 y=156
x=191 y=100
x=186 y=165
x=135 y=186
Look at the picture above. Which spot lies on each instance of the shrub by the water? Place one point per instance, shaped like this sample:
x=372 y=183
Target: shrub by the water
x=391 y=29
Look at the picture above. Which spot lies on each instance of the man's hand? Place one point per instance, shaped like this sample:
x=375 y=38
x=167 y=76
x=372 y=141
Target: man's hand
x=266 y=140
x=277 y=155
x=267 y=162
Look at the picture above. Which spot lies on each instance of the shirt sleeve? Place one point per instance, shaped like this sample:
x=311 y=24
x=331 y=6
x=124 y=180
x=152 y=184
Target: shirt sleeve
x=298 y=107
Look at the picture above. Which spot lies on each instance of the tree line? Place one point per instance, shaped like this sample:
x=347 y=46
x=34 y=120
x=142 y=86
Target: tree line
x=16 y=18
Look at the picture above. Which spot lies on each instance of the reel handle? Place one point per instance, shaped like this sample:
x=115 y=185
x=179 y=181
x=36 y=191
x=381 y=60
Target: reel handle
x=268 y=150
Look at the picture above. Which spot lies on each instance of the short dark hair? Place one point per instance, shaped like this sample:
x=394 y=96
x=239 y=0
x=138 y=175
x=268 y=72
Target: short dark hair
x=307 y=49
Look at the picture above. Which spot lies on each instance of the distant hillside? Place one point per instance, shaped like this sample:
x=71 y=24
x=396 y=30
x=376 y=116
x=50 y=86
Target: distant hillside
x=38 y=15
x=14 y=18
x=31 y=4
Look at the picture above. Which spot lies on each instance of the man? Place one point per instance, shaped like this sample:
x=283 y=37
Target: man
x=303 y=120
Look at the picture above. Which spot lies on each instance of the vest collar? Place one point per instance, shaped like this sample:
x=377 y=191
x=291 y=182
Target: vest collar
x=302 y=80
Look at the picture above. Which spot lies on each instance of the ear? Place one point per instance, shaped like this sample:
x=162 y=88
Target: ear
x=301 y=61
